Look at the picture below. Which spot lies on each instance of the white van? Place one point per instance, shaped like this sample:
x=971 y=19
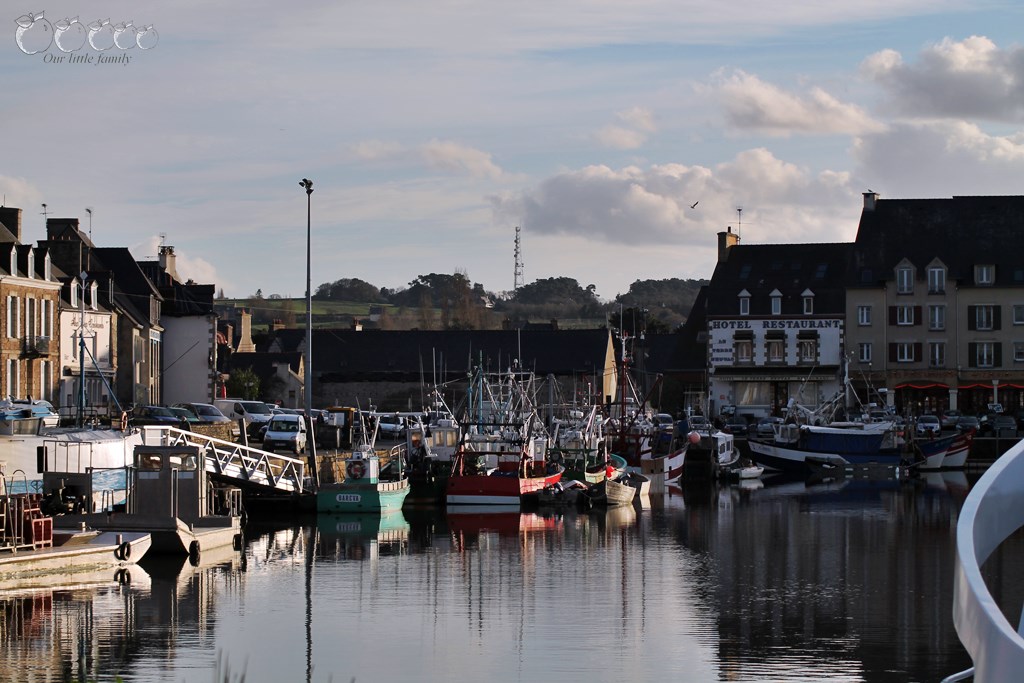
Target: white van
x=255 y=413
x=286 y=432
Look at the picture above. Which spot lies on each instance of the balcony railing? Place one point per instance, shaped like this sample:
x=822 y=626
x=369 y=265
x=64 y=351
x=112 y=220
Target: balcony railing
x=992 y=512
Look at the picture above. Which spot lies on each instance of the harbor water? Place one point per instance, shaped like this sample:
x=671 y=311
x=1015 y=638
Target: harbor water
x=776 y=581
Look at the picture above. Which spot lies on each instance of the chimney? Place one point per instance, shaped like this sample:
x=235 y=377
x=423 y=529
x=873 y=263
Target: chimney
x=726 y=240
x=11 y=218
x=167 y=261
x=245 y=344
x=869 y=200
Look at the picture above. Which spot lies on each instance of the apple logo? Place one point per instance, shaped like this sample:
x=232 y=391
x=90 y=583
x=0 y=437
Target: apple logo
x=34 y=33
x=69 y=35
x=124 y=35
x=101 y=35
x=147 y=38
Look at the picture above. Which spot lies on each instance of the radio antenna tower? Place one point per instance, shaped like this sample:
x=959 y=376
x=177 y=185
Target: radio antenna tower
x=517 y=278
x=739 y=221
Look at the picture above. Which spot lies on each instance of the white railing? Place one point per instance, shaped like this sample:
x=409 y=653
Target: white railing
x=235 y=461
x=993 y=510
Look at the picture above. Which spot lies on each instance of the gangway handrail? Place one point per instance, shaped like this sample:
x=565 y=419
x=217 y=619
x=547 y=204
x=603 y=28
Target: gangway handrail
x=233 y=460
x=994 y=509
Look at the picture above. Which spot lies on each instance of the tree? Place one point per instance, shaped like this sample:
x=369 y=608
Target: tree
x=244 y=384
x=633 y=321
x=555 y=290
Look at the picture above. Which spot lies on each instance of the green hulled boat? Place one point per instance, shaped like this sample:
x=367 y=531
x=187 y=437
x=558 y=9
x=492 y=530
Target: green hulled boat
x=367 y=488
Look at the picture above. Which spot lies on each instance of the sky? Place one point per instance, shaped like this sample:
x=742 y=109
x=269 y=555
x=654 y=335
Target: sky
x=620 y=137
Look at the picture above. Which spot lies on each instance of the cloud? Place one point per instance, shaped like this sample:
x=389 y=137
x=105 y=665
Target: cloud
x=631 y=133
x=941 y=158
x=20 y=193
x=438 y=155
x=652 y=206
x=188 y=267
x=753 y=105
x=969 y=78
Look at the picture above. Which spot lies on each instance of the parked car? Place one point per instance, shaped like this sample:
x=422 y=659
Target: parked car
x=185 y=414
x=949 y=419
x=737 y=425
x=205 y=412
x=255 y=413
x=966 y=423
x=155 y=415
x=766 y=427
x=928 y=425
x=663 y=422
x=391 y=426
x=699 y=423
x=286 y=432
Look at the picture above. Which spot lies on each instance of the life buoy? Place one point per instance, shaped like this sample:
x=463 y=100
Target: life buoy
x=123 y=551
x=124 y=421
x=356 y=469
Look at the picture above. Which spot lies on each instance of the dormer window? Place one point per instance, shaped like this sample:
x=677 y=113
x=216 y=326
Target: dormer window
x=94 y=289
x=47 y=267
x=808 y=298
x=30 y=265
x=984 y=274
x=744 y=302
x=74 y=293
x=776 y=296
x=936 y=280
x=904 y=280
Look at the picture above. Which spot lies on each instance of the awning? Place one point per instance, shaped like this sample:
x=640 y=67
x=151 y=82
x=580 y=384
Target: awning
x=923 y=385
x=988 y=385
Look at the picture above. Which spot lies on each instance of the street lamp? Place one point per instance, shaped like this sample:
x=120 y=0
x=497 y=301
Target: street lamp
x=308 y=185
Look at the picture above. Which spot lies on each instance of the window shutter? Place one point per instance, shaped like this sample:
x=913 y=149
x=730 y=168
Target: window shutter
x=997 y=353
x=892 y=315
x=892 y=353
x=917 y=317
x=972 y=355
x=972 y=319
x=997 y=317
x=918 y=351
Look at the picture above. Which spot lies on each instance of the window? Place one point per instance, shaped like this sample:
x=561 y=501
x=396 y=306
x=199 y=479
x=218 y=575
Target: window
x=984 y=274
x=12 y=378
x=776 y=305
x=13 y=320
x=1018 y=352
x=808 y=305
x=937 y=317
x=904 y=280
x=937 y=354
x=863 y=315
x=904 y=315
x=1018 y=314
x=936 y=280
x=744 y=351
x=864 y=353
x=984 y=317
x=776 y=349
x=807 y=350
x=744 y=304
x=904 y=352
x=985 y=355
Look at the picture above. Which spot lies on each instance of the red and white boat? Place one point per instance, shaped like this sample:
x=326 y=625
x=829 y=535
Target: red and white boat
x=499 y=471
x=956 y=456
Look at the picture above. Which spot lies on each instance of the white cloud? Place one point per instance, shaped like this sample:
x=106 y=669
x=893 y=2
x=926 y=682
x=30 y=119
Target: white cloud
x=653 y=205
x=19 y=193
x=941 y=159
x=751 y=104
x=457 y=158
x=968 y=78
x=632 y=131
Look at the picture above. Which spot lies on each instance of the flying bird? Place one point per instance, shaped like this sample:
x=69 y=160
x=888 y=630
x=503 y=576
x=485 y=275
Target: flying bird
x=694 y=205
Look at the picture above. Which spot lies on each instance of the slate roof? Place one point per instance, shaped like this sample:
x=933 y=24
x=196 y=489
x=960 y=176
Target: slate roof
x=413 y=354
x=789 y=268
x=960 y=231
x=262 y=364
x=179 y=299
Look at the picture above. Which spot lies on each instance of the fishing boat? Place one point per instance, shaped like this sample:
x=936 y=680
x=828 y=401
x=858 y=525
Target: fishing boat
x=499 y=472
x=612 y=491
x=613 y=466
x=932 y=452
x=428 y=450
x=367 y=486
x=956 y=455
x=793 y=444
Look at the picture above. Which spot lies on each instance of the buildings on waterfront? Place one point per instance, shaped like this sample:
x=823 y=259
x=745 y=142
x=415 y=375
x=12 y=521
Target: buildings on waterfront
x=923 y=310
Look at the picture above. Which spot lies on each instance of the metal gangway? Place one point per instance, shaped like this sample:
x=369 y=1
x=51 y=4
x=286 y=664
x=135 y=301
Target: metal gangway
x=992 y=512
x=241 y=465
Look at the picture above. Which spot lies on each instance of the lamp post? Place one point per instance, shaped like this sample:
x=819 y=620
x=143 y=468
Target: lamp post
x=308 y=378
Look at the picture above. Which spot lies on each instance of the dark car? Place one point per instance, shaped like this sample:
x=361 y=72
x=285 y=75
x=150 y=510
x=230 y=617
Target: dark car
x=1004 y=426
x=737 y=426
x=155 y=415
x=766 y=427
x=949 y=419
x=967 y=423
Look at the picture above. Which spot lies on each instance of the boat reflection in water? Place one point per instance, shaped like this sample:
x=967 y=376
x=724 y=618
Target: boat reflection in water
x=364 y=536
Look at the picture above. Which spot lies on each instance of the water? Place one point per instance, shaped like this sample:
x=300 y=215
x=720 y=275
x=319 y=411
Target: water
x=830 y=582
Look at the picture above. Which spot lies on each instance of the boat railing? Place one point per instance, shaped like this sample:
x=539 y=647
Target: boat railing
x=235 y=461
x=994 y=510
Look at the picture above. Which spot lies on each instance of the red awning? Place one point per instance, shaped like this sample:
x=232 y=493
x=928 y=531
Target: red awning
x=933 y=385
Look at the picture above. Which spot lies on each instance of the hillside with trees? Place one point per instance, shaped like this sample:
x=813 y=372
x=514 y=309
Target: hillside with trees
x=441 y=301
